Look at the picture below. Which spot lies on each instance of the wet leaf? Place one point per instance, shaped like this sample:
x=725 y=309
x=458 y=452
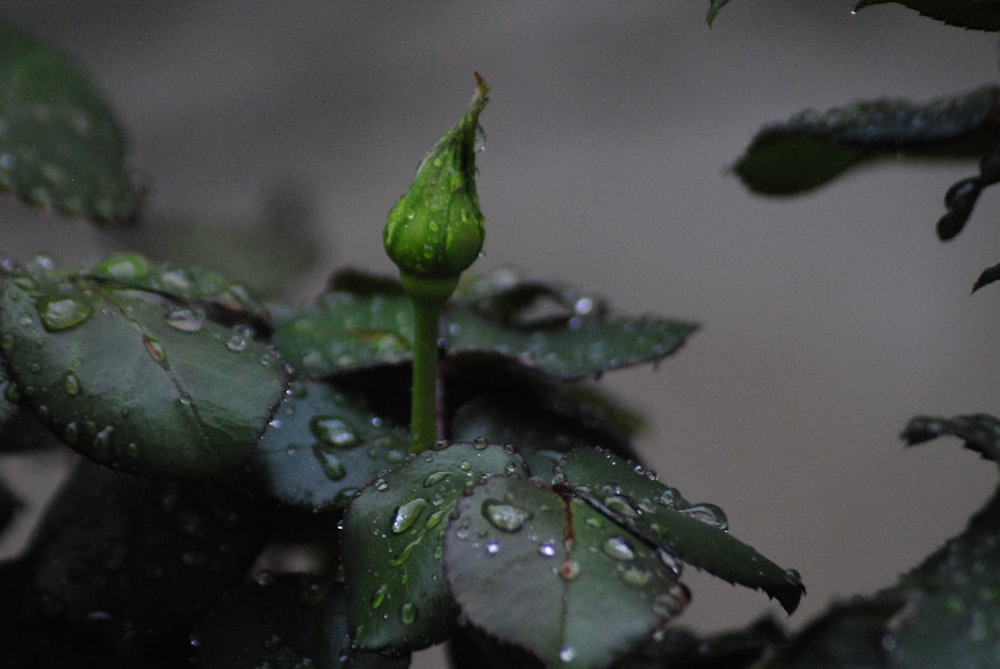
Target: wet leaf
x=693 y=533
x=542 y=437
x=392 y=545
x=8 y=399
x=125 y=557
x=282 y=622
x=980 y=432
x=586 y=590
x=713 y=8
x=322 y=447
x=974 y=14
x=60 y=145
x=681 y=649
x=811 y=149
x=186 y=284
x=344 y=332
x=135 y=380
x=9 y=504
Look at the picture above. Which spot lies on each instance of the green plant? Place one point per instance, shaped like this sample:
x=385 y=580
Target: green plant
x=214 y=423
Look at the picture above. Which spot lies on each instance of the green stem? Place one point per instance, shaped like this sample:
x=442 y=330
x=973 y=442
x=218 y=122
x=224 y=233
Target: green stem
x=423 y=401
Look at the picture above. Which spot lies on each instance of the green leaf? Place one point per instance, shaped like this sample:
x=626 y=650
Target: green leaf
x=322 y=447
x=974 y=14
x=135 y=380
x=713 y=8
x=586 y=590
x=346 y=332
x=285 y=621
x=694 y=533
x=60 y=145
x=125 y=557
x=981 y=432
x=392 y=545
x=811 y=149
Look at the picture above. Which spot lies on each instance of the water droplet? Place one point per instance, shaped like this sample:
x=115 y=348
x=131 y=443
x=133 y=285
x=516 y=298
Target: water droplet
x=405 y=554
x=381 y=485
x=240 y=339
x=434 y=478
x=569 y=570
x=547 y=549
x=619 y=505
x=379 y=596
x=436 y=518
x=333 y=468
x=492 y=547
x=123 y=267
x=264 y=578
x=71 y=433
x=71 y=384
x=504 y=516
x=334 y=431
x=567 y=654
x=102 y=443
x=618 y=548
x=394 y=456
x=671 y=561
x=793 y=577
x=60 y=312
x=479 y=443
x=637 y=576
x=156 y=351
x=709 y=514
x=185 y=319
x=407 y=514
x=671 y=602
x=408 y=613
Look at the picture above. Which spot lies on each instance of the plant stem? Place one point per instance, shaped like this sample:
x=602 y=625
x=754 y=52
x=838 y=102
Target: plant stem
x=423 y=394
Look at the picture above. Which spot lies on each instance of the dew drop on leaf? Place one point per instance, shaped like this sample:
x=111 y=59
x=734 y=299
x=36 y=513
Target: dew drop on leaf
x=60 y=312
x=123 y=267
x=332 y=467
x=567 y=654
x=71 y=384
x=379 y=596
x=709 y=514
x=547 y=550
x=156 y=351
x=407 y=514
x=618 y=548
x=620 y=505
x=185 y=319
x=569 y=570
x=492 y=547
x=334 y=431
x=434 y=478
x=408 y=613
x=636 y=576
x=504 y=516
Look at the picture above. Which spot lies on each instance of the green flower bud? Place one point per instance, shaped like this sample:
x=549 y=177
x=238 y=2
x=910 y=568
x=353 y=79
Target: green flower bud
x=436 y=230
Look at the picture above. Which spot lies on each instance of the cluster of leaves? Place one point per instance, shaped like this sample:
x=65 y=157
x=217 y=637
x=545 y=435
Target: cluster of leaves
x=944 y=612
x=214 y=424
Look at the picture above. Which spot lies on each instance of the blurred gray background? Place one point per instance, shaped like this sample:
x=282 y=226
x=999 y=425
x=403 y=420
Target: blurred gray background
x=829 y=320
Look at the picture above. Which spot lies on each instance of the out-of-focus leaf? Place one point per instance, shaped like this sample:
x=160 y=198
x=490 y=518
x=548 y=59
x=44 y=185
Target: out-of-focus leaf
x=713 y=8
x=681 y=649
x=285 y=621
x=974 y=14
x=60 y=145
x=344 y=332
x=124 y=557
x=980 y=432
x=811 y=149
x=193 y=284
x=694 y=533
x=988 y=276
x=136 y=380
x=8 y=505
x=392 y=545
x=322 y=447
x=962 y=196
x=586 y=590
x=8 y=399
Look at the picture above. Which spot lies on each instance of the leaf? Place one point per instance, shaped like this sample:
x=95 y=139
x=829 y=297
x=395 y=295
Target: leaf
x=60 y=145
x=694 y=533
x=322 y=447
x=9 y=504
x=125 y=557
x=586 y=590
x=392 y=545
x=713 y=8
x=988 y=276
x=811 y=149
x=346 y=332
x=134 y=380
x=681 y=649
x=981 y=432
x=974 y=14
x=542 y=436
x=285 y=621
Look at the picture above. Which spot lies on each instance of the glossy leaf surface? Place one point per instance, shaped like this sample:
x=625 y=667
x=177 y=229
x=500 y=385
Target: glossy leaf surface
x=811 y=149
x=282 y=622
x=322 y=447
x=125 y=557
x=136 y=380
x=693 y=533
x=974 y=14
x=393 y=534
x=586 y=590
x=344 y=332
x=60 y=145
